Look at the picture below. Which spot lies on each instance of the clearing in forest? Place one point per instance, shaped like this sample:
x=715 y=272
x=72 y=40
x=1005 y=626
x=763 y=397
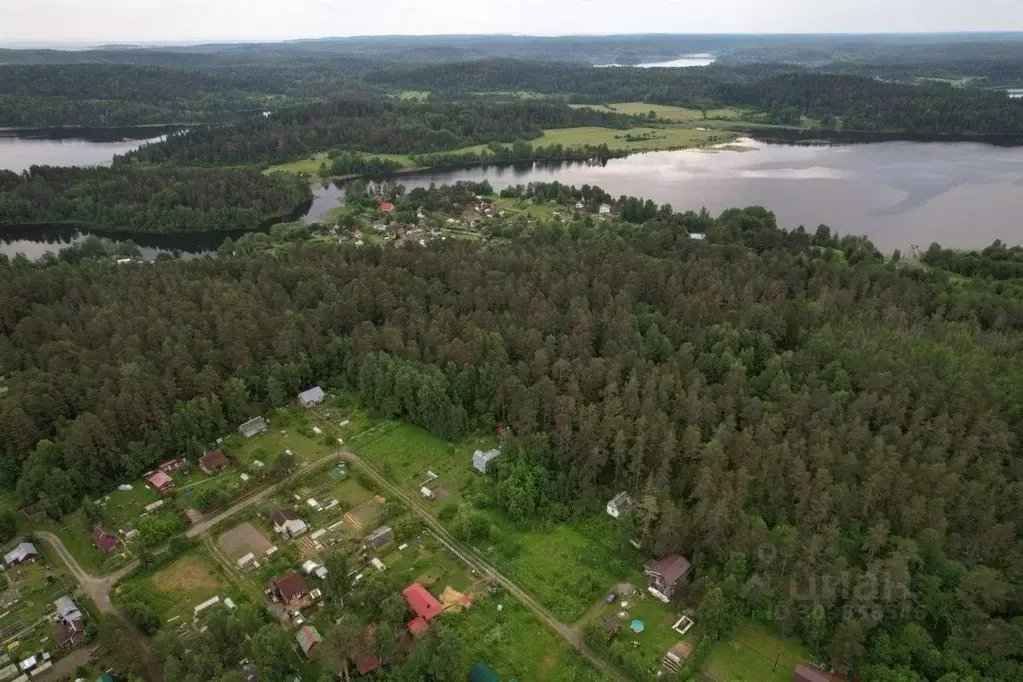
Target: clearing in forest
x=187 y=574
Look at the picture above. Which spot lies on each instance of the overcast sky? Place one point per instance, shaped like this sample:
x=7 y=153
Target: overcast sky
x=97 y=21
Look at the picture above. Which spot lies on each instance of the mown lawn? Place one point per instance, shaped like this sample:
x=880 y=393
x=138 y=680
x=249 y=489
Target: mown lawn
x=755 y=655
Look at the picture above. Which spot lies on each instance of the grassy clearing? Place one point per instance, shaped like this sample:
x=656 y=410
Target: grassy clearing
x=515 y=645
x=428 y=563
x=311 y=164
x=407 y=453
x=566 y=567
x=122 y=507
x=176 y=589
x=675 y=114
x=633 y=139
x=414 y=95
x=755 y=655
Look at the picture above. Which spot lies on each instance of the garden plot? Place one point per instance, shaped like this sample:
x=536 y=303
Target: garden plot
x=241 y=540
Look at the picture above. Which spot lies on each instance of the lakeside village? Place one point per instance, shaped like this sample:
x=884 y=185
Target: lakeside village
x=385 y=213
x=275 y=556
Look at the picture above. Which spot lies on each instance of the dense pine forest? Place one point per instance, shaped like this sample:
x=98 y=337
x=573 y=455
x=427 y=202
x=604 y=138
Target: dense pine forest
x=784 y=405
x=164 y=199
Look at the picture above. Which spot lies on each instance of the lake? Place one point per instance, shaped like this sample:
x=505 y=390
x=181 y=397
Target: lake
x=960 y=194
x=685 y=61
x=20 y=149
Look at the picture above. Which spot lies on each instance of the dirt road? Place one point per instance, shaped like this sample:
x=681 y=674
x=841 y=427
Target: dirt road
x=470 y=557
x=97 y=588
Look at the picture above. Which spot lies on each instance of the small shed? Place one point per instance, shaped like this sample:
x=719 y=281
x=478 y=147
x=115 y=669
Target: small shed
x=308 y=639
x=380 y=537
x=481 y=460
x=253 y=427
x=377 y=564
x=311 y=397
x=246 y=560
x=618 y=504
x=199 y=608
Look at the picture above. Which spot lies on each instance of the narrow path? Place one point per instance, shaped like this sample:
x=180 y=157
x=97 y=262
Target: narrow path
x=470 y=557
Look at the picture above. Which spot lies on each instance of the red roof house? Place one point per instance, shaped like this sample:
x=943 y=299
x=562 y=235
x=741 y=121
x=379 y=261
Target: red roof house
x=417 y=626
x=160 y=482
x=104 y=540
x=214 y=462
x=386 y=207
x=369 y=662
x=422 y=603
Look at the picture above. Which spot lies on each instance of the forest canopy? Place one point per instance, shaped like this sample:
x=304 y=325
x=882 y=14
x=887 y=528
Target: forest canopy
x=161 y=199
x=369 y=125
x=757 y=389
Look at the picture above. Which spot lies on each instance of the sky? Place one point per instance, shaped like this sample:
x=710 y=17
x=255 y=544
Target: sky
x=141 y=21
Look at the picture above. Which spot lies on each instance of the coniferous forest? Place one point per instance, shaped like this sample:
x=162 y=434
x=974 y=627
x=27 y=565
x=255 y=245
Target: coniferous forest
x=785 y=404
x=164 y=199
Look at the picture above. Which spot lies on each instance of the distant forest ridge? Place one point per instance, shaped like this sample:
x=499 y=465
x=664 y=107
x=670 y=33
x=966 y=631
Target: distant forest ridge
x=619 y=49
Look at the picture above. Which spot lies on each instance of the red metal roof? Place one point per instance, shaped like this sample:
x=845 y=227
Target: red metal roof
x=104 y=540
x=386 y=206
x=424 y=604
x=417 y=626
x=160 y=480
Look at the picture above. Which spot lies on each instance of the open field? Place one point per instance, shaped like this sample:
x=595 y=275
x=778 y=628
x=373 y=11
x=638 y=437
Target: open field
x=174 y=590
x=633 y=139
x=665 y=112
x=414 y=95
x=188 y=574
x=755 y=655
x=311 y=164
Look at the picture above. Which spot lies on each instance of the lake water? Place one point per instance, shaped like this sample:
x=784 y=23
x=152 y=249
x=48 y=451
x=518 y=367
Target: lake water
x=960 y=194
x=698 y=59
x=20 y=149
